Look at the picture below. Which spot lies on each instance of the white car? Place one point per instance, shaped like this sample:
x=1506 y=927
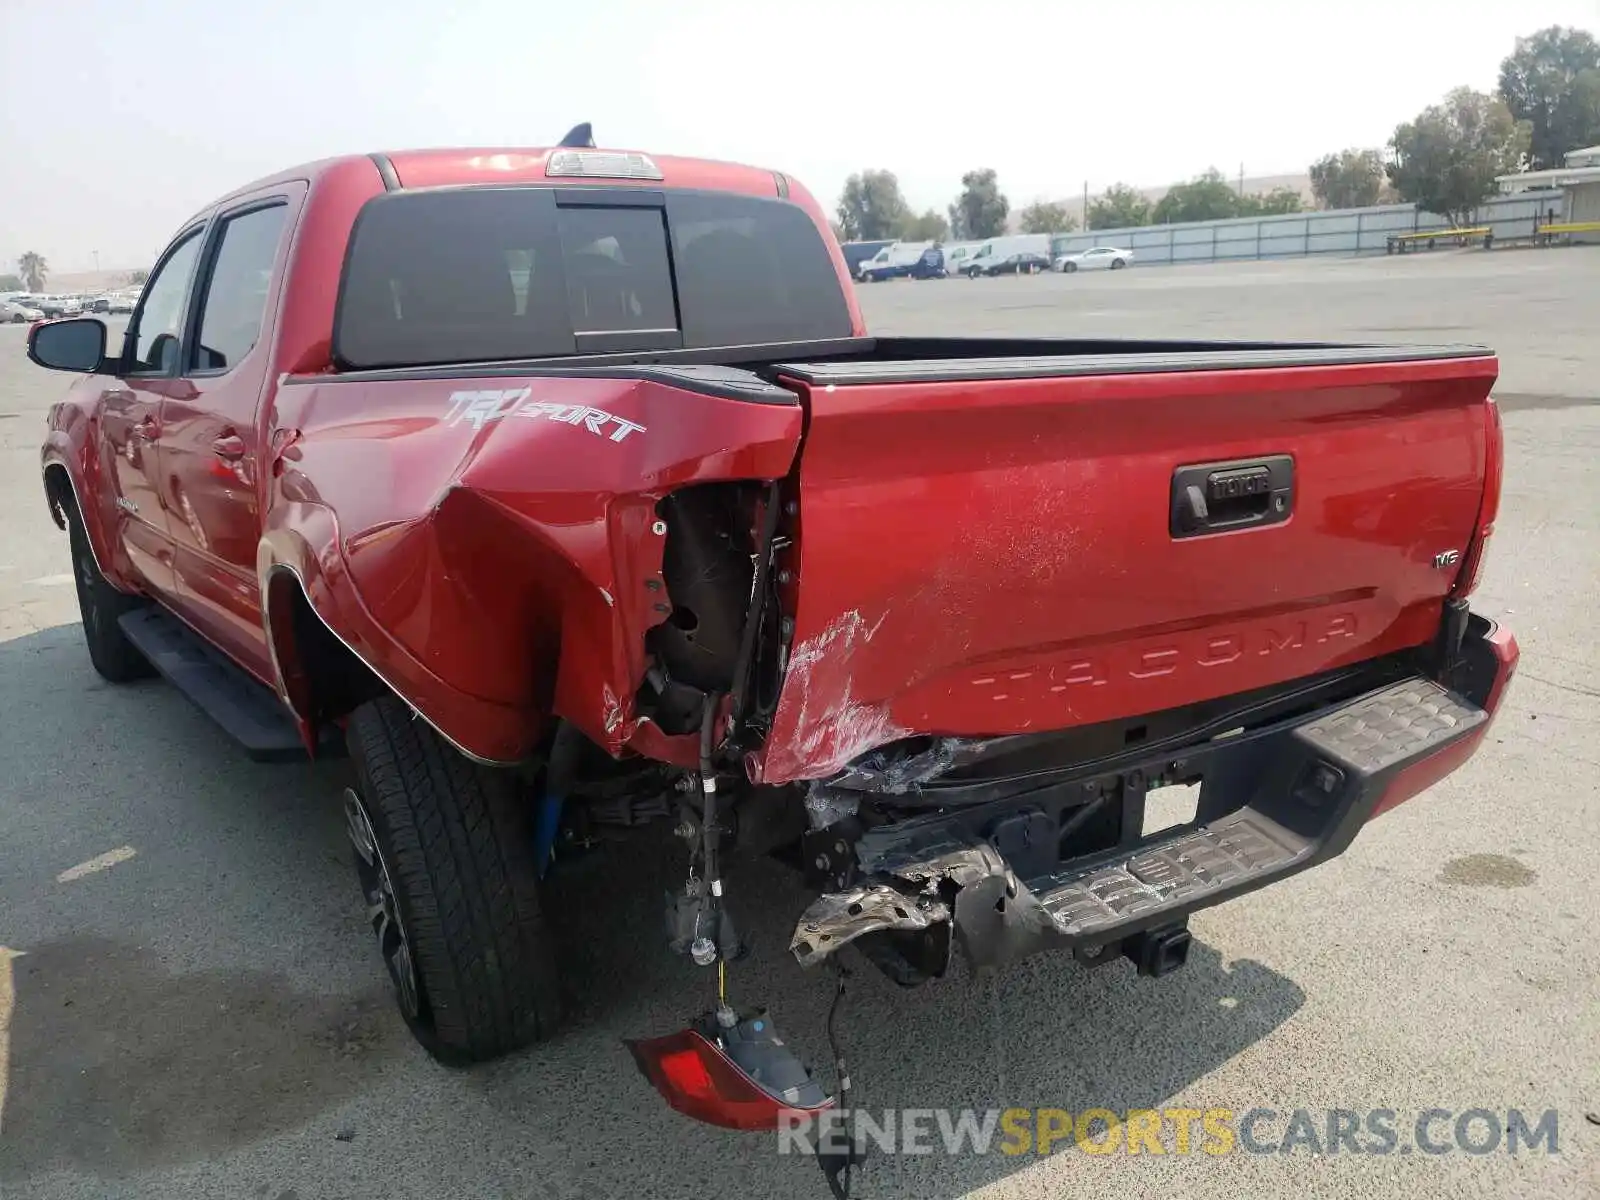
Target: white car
x=121 y=302
x=1100 y=258
x=60 y=306
x=14 y=312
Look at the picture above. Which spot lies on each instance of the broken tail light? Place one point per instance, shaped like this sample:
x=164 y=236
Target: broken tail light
x=1471 y=574
x=738 y=1077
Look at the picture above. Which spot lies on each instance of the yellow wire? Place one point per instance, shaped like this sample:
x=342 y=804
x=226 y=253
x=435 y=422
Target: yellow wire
x=722 y=981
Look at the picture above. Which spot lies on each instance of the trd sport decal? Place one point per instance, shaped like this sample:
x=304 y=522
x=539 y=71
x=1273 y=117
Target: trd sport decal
x=492 y=404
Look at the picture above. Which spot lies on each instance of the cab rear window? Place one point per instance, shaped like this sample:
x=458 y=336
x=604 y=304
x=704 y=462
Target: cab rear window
x=482 y=274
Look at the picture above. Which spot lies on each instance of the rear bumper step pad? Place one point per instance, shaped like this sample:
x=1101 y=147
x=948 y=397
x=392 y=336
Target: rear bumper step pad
x=1295 y=796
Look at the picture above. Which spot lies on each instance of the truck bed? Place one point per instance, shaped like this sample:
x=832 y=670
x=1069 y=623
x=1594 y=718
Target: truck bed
x=988 y=534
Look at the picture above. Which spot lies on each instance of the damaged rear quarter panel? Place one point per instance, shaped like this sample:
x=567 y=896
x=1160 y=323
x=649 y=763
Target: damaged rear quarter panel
x=504 y=544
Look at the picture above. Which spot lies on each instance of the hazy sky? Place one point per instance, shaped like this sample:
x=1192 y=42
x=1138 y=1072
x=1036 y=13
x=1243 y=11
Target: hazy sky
x=121 y=117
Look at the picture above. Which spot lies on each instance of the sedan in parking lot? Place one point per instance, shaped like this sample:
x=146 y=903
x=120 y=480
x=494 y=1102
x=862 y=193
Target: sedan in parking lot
x=1012 y=264
x=15 y=312
x=59 y=306
x=1100 y=258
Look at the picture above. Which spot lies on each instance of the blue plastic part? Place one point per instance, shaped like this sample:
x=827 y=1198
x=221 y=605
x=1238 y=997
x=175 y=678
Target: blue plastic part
x=544 y=834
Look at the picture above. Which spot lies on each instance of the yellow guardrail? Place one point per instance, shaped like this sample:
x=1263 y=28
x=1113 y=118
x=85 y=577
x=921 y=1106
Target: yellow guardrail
x=1399 y=243
x=1545 y=231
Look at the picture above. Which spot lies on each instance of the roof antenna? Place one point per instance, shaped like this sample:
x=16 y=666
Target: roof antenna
x=579 y=135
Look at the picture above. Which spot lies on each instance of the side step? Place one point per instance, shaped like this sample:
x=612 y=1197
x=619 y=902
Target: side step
x=253 y=716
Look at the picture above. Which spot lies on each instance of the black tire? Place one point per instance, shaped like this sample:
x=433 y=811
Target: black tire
x=1070 y=268
x=1117 y=264
x=100 y=605
x=451 y=888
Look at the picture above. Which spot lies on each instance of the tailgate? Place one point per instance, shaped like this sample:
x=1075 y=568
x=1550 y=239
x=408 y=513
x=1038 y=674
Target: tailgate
x=990 y=547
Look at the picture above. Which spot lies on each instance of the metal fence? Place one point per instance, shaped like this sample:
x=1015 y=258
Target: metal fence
x=1346 y=231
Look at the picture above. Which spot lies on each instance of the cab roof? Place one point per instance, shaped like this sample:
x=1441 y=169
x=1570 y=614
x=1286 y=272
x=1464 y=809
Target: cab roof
x=486 y=165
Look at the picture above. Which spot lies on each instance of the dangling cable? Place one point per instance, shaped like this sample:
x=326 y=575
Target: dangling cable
x=840 y=1183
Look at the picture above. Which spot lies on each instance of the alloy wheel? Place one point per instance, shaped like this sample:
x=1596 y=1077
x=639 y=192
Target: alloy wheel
x=383 y=908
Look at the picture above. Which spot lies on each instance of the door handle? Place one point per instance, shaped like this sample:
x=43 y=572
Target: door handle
x=229 y=447
x=1221 y=496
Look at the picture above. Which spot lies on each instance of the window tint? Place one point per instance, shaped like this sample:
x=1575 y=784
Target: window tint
x=618 y=277
x=453 y=275
x=480 y=273
x=158 y=328
x=236 y=294
x=752 y=270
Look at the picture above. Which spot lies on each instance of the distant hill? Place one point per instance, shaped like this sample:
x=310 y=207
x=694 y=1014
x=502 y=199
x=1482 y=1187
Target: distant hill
x=1254 y=185
x=68 y=283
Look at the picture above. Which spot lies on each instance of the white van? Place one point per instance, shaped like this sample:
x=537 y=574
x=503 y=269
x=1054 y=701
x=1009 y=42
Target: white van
x=1014 y=253
x=892 y=261
x=958 y=253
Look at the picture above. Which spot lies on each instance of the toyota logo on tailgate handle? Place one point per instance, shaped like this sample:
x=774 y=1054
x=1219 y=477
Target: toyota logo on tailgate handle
x=1220 y=497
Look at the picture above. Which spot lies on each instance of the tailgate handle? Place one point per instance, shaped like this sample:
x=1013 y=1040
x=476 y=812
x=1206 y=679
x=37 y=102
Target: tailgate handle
x=1222 y=496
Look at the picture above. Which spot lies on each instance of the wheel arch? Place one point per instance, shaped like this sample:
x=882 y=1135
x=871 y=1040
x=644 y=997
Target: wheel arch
x=63 y=497
x=318 y=675
x=58 y=490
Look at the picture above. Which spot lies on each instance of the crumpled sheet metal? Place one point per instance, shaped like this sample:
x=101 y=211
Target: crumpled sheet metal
x=835 y=919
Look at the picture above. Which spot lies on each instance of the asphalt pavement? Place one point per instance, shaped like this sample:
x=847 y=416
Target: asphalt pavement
x=190 y=1005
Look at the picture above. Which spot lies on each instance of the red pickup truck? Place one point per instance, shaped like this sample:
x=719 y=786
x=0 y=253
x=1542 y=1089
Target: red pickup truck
x=566 y=489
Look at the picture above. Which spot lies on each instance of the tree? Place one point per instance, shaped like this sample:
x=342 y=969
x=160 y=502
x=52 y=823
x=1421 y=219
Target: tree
x=11 y=283
x=1207 y=197
x=929 y=226
x=1446 y=160
x=1278 y=200
x=34 y=270
x=1121 y=207
x=980 y=210
x=1043 y=216
x=1552 y=81
x=871 y=206
x=1348 y=179
x=139 y=275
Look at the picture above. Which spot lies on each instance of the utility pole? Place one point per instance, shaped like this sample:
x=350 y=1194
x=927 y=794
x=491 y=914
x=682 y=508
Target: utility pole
x=97 y=262
x=1086 y=204
x=1241 y=179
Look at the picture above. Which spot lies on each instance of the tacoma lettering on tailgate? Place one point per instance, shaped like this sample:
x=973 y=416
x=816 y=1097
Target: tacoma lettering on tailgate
x=1214 y=650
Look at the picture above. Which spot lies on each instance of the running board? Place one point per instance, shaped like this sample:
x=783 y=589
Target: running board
x=248 y=712
x=1288 y=798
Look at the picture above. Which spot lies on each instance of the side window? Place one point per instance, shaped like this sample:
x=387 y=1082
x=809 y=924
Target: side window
x=157 y=329
x=236 y=292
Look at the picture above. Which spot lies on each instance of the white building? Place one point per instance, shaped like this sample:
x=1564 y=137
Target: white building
x=1579 y=179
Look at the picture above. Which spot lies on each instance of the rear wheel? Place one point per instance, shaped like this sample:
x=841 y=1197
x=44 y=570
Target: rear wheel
x=100 y=605
x=444 y=851
x=1117 y=264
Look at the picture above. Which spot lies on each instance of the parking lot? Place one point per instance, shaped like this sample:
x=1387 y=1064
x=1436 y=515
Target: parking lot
x=207 y=1016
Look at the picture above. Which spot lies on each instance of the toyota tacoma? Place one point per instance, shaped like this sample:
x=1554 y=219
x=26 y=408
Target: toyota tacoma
x=566 y=489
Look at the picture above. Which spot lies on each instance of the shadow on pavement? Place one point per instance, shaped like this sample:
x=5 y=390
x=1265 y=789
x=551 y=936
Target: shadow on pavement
x=119 y=1063
x=137 y=1052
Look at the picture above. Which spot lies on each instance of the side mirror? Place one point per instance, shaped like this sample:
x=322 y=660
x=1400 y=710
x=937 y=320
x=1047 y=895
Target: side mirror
x=77 y=345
